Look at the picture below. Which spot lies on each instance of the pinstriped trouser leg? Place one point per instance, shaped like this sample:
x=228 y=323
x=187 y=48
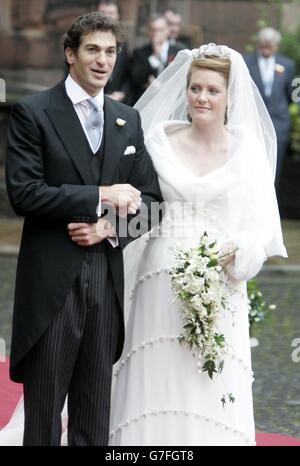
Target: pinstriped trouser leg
x=89 y=402
x=75 y=356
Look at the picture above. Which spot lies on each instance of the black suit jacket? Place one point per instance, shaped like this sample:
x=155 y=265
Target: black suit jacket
x=120 y=77
x=141 y=69
x=49 y=183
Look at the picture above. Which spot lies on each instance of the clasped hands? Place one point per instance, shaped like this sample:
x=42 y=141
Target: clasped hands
x=124 y=199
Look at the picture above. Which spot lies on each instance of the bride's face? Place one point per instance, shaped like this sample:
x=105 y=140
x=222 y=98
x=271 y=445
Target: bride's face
x=207 y=97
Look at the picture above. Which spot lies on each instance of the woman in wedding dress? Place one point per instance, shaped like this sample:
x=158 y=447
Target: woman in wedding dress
x=214 y=148
x=216 y=175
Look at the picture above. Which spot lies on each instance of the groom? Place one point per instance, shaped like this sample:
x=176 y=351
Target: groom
x=72 y=152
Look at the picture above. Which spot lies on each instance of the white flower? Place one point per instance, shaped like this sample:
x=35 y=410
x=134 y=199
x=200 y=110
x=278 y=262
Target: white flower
x=211 y=275
x=198 y=305
x=195 y=285
x=120 y=122
x=206 y=298
x=197 y=264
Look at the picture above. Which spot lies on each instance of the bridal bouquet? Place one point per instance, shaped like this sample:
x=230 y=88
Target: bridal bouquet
x=200 y=285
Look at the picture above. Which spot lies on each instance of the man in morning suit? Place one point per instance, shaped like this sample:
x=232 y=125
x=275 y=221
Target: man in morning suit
x=273 y=74
x=68 y=158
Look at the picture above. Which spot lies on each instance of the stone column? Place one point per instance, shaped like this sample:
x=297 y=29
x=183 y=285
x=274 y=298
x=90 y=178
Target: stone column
x=5 y=15
x=129 y=15
x=290 y=16
x=28 y=14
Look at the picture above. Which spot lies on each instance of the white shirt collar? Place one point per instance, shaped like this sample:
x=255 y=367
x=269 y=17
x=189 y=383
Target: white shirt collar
x=77 y=94
x=271 y=59
x=165 y=51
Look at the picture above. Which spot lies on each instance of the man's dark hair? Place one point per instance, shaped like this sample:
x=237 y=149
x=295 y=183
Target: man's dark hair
x=90 y=23
x=107 y=2
x=155 y=16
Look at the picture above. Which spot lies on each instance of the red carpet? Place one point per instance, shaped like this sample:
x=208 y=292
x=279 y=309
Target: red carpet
x=276 y=440
x=10 y=393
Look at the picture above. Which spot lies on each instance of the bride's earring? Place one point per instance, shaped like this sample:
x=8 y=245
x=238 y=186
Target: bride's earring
x=226 y=116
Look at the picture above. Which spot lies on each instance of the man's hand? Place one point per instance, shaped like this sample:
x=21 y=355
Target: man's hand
x=124 y=198
x=117 y=95
x=87 y=234
x=157 y=47
x=151 y=78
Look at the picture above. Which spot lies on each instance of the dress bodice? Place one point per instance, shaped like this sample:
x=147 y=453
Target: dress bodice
x=193 y=202
x=235 y=203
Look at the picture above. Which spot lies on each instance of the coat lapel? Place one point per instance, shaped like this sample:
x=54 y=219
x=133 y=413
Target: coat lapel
x=114 y=142
x=68 y=127
x=257 y=76
x=277 y=77
x=171 y=54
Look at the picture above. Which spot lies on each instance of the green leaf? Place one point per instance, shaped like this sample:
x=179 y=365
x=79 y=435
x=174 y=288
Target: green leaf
x=210 y=367
x=212 y=263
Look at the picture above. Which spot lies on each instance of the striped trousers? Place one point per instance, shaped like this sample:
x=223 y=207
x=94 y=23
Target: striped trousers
x=74 y=357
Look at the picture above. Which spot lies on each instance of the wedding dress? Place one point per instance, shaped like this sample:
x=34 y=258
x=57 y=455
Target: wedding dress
x=159 y=398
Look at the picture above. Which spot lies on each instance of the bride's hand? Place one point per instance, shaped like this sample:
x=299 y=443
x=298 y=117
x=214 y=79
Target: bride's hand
x=227 y=260
x=228 y=250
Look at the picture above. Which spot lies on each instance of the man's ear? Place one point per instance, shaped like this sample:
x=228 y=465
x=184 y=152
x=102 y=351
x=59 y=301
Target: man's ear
x=70 y=55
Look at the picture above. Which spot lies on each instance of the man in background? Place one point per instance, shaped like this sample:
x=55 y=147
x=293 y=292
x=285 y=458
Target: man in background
x=174 y=21
x=273 y=74
x=151 y=59
x=118 y=86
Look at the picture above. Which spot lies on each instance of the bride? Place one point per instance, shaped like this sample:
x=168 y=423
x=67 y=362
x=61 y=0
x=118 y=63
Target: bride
x=214 y=148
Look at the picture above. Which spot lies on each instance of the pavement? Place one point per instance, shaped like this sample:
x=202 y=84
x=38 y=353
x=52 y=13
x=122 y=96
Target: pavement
x=276 y=360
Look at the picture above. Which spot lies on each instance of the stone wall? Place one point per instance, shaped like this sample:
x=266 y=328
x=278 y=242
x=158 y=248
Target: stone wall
x=233 y=22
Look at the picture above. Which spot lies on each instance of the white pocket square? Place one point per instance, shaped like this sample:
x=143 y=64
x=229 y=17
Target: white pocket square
x=130 y=150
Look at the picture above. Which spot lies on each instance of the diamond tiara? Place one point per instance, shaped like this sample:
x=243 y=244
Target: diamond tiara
x=220 y=51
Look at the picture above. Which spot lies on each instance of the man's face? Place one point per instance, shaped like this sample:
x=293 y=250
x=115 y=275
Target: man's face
x=267 y=49
x=174 y=23
x=109 y=10
x=158 y=30
x=92 y=64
